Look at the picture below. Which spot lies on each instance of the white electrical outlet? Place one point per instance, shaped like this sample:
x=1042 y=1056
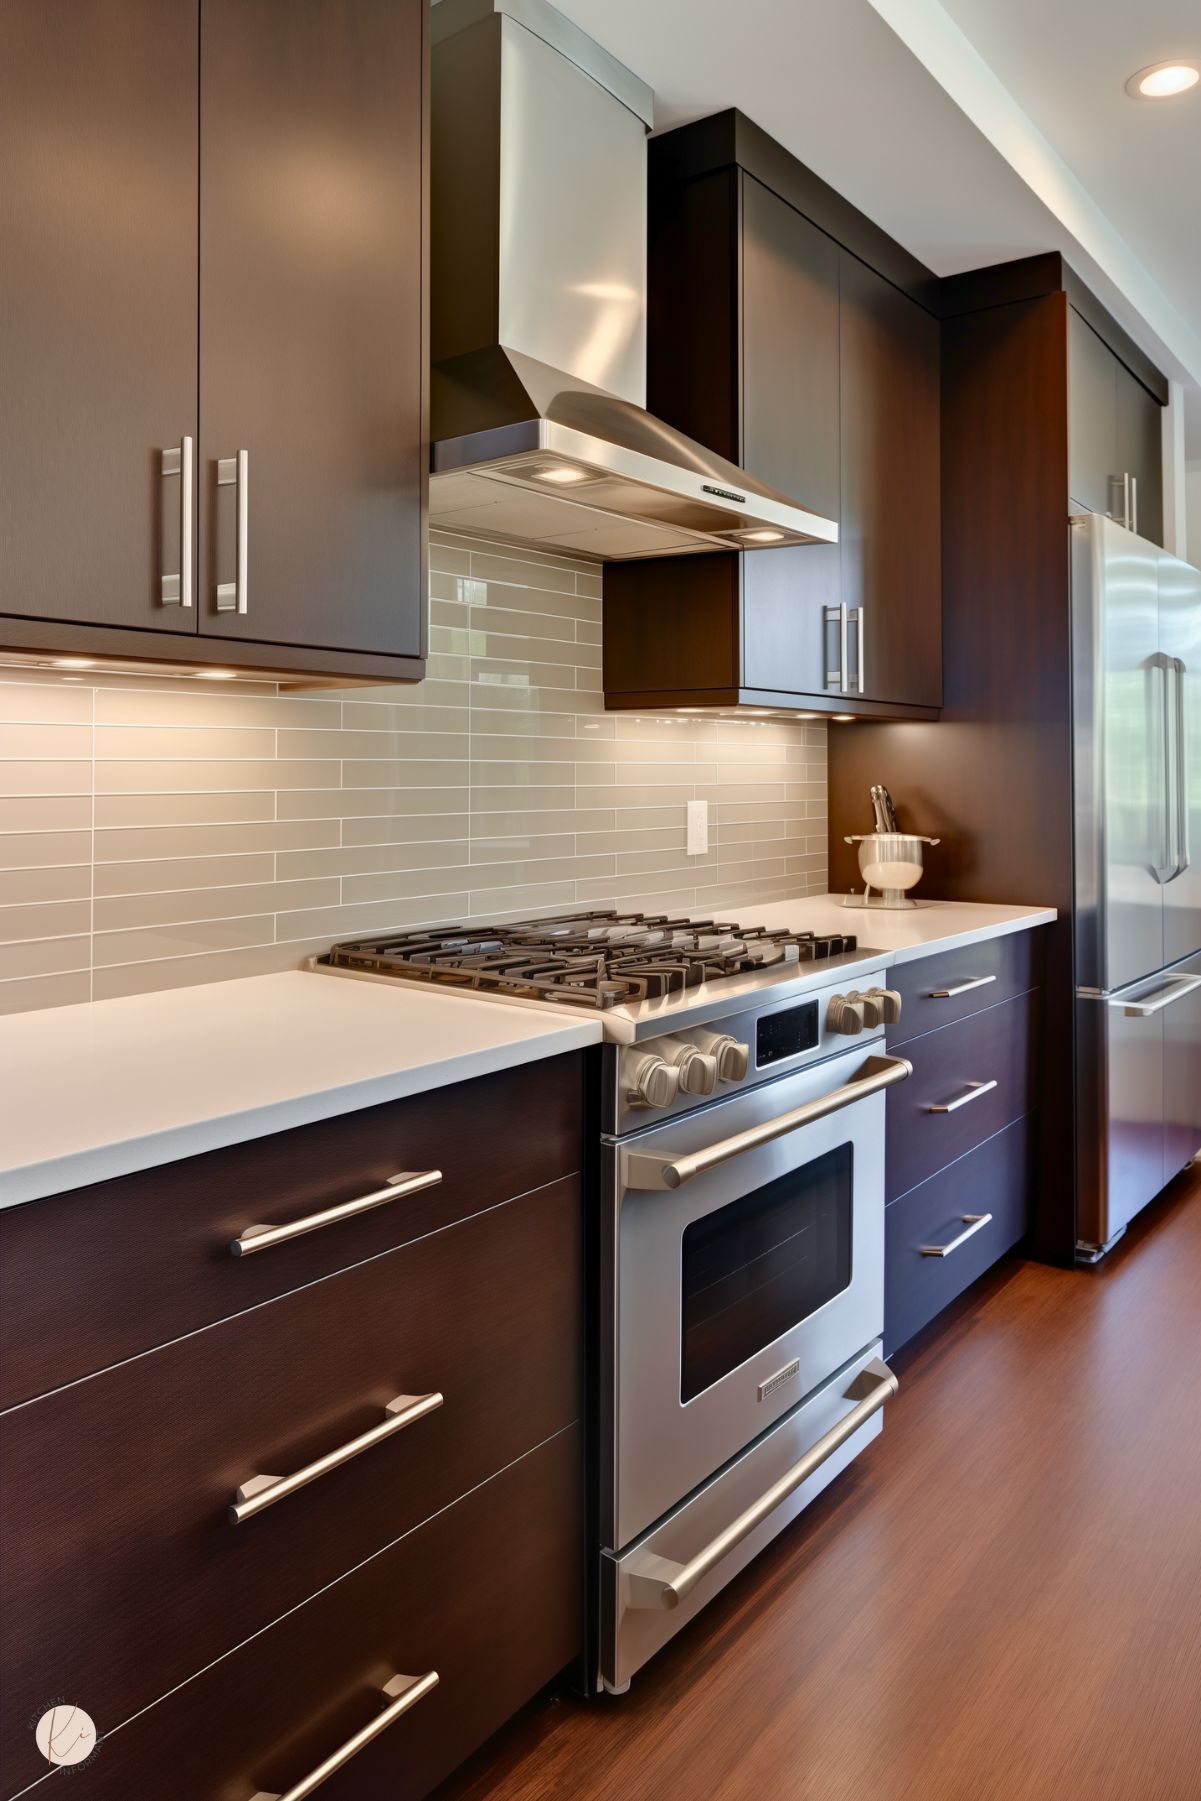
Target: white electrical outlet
x=698 y=827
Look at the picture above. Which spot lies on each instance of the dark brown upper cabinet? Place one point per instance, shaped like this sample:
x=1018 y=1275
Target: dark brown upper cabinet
x=1115 y=435
x=214 y=293
x=791 y=335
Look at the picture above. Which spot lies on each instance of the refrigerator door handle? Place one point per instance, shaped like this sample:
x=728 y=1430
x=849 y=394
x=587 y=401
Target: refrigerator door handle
x=1170 y=867
x=1174 y=991
x=1180 y=768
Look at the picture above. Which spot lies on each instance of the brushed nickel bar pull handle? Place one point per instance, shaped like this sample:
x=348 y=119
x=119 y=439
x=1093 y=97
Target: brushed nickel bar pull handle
x=404 y=1692
x=232 y=596
x=836 y=678
x=975 y=1092
x=1175 y=991
x=662 y=1583
x=261 y=1238
x=857 y=614
x=259 y=1492
x=176 y=590
x=975 y=1222
x=646 y=1170
x=1134 y=504
x=948 y=994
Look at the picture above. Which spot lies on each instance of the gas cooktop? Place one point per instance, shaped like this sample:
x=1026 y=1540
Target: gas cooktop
x=600 y=960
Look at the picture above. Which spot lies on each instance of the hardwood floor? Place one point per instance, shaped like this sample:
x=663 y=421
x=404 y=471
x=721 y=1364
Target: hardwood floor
x=999 y=1601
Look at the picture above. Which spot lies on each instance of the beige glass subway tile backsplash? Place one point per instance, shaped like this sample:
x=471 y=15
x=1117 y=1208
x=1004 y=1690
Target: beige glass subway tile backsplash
x=155 y=833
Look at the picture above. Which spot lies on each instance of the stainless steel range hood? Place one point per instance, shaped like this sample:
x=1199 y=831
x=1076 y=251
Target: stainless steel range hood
x=538 y=314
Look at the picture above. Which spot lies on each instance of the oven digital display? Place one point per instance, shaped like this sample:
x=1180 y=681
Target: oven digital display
x=786 y=1034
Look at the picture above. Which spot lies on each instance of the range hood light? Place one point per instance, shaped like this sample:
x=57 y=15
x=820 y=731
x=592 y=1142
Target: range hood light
x=562 y=475
x=763 y=536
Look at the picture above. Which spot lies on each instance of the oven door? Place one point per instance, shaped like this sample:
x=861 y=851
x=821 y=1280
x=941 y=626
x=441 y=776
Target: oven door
x=744 y=1265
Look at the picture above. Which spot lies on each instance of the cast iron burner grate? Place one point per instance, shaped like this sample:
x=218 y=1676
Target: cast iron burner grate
x=601 y=959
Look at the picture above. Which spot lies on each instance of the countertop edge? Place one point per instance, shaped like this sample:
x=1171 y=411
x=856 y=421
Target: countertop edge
x=912 y=953
x=125 y=1157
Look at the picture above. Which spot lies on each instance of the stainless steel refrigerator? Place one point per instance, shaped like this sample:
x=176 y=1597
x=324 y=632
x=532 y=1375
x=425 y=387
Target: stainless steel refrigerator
x=1136 y=714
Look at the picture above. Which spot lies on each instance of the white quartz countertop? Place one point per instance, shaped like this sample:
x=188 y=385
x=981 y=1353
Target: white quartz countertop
x=98 y=1090
x=911 y=932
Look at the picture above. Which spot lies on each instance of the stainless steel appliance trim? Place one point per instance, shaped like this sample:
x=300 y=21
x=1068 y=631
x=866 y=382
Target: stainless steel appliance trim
x=1175 y=991
x=259 y=1492
x=657 y=1582
x=176 y=590
x=232 y=597
x=1180 y=772
x=556 y=29
x=647 y=1171
x=949 y=994
x=975 y=1222
x=261 y=1238
x=404 y=1693
x=975 y=1090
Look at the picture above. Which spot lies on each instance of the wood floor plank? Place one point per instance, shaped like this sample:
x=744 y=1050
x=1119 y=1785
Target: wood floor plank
x=999 y=1601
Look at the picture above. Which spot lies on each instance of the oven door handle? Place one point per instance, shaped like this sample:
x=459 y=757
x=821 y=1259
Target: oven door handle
x=643 y=1169
x=657 y=1582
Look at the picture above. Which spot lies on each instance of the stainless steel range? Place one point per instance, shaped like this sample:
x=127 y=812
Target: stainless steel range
x=741 y=1233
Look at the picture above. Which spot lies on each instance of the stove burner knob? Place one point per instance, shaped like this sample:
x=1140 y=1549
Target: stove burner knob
x=698 y=1072
x=733 y=1058
x=653 y=1081
x=869 y=1006
x=842 y=1015
x=889 y=1002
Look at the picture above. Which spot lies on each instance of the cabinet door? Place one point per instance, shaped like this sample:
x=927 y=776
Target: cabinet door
x=311 y=227
x=789 y=351
x=98 y=277
x=786 y=644
x=1094 y=470
x=889 y=521
x=1140 y=452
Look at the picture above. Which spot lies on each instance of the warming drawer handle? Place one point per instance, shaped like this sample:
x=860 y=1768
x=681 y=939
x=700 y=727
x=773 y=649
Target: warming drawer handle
x=264 y=1491
x=645 y=1170
x=975 y=1222
x=1175 y=991
x=403 y=1693
x=948 y=994
x=656 y=1582
x=261 y=1238
x=975 y=1092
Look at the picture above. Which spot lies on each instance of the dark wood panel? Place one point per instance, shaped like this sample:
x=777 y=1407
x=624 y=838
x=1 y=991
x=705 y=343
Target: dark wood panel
x=98 y=204
x=488 y=1594
x=889 y=520
x=994 y=1178
x=311 y=318
x=1094 y=466
x=147 y=1256
x=789 y=343
x=1001 y=1046
x=1140 y=450
x=729 y=138
x=692 y=249
x=1013 y=963
x=106 y=1551
x=946 y=1571
x=786 y=641
x=671 y=623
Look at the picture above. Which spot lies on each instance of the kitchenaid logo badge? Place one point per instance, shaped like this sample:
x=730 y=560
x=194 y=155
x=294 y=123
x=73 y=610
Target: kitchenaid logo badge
x=779 y=1379
x=724 y=493
x=65 y=1735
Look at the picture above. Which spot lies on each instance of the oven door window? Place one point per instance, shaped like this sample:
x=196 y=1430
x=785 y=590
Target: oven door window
x=761 y=1265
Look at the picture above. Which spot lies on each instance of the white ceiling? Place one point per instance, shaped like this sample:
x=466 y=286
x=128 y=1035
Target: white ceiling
x=972 y=131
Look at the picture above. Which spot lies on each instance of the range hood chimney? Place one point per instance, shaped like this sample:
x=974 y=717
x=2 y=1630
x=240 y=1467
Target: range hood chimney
x=538 y=308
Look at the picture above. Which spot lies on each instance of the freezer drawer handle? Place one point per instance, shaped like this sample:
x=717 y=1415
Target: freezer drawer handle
x=1175 y=991
x=975 y=1091
x=261 y=1238
x=948 y=994
x=403 y=1692
x=263 y=1491
x=975 y=1222
x=643 y=1169
x=657 y=1582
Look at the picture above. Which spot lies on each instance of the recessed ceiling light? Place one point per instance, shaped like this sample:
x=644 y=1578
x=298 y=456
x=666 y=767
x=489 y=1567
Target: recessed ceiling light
x=74 y=662
x=1162 y=80
x=844 y=718
x=562 y=475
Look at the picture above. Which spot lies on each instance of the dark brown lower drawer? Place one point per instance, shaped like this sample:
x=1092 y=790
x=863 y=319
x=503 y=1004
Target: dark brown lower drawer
x=120 y=1571
x=947 y=1106
x=994 y=1178
x=488 y=1594
x=936 y=991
